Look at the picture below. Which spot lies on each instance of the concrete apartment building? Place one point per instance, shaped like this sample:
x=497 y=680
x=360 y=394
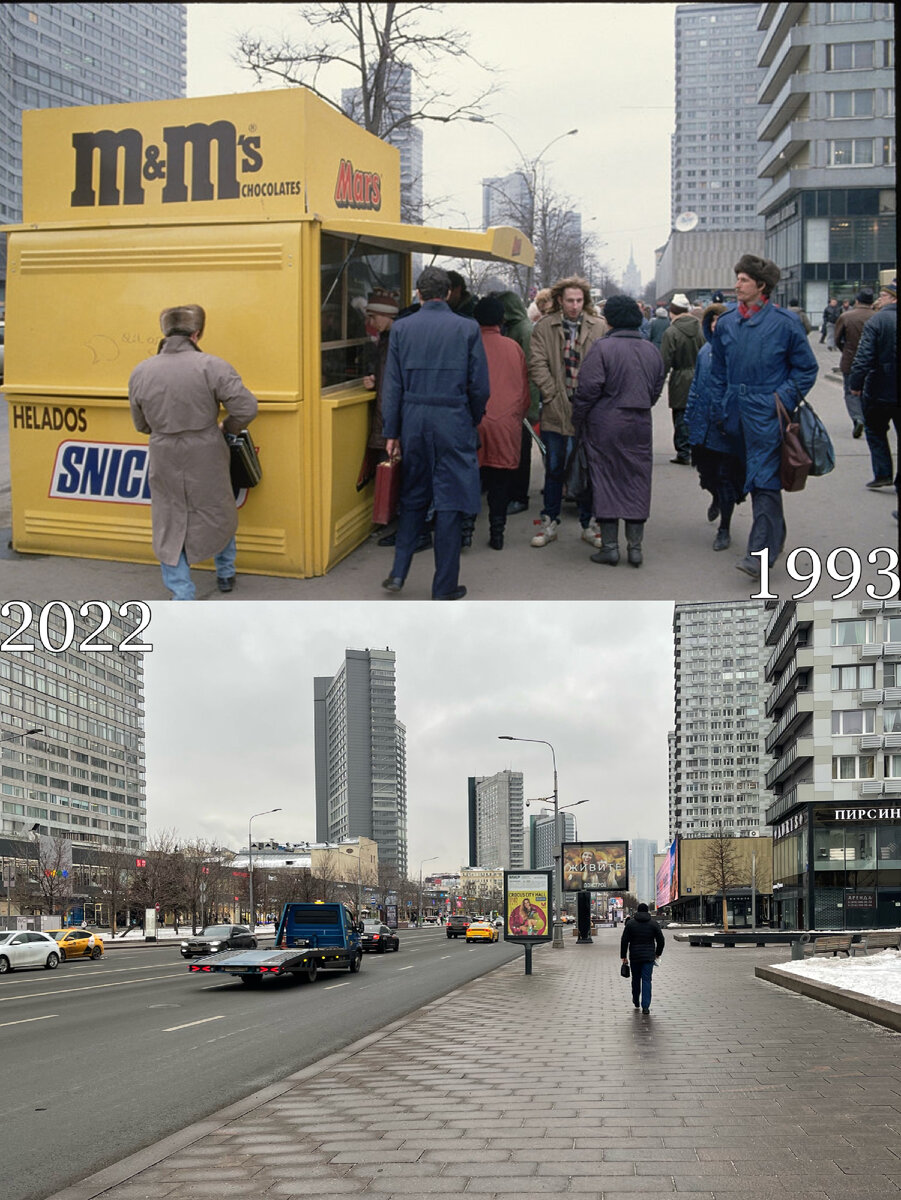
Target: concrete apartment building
x=713 y=170
x=826 y=128
x=496 y=808
x=361 y=773
x=72 y=732
x=717 y=747
x=834 y=710
x=58 y=55
x=542 y=842
x=641 y=869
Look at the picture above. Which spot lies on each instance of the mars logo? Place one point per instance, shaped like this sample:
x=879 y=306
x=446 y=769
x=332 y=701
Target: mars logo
x=140 y=164
x=116 y=473
x=357 y=189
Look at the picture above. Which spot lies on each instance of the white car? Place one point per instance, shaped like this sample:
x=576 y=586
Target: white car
x=26 y=948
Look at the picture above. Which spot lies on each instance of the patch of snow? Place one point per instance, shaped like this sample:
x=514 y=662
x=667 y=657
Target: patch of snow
x=877 y=975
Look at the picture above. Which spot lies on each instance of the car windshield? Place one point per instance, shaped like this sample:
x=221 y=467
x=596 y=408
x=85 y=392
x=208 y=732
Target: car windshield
x=6 y=937
x=58 y=934
x=372 y=925
x=216 y=931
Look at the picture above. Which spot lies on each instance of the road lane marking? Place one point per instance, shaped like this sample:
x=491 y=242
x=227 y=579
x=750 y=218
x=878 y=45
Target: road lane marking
x=26 y=1020
x=334 y=985
x=409 y=968
x=92 y=987
x=205 y=1021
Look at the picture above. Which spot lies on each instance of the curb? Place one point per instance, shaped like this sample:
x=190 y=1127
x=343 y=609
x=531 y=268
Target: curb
x=93 y=1186
x=880 y=1012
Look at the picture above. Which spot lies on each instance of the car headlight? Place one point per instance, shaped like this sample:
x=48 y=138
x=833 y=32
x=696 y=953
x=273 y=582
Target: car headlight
x=184 y=945
x=215 y=945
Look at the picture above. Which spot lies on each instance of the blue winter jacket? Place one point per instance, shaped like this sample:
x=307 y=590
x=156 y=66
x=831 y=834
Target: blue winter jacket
x=752 y=359
x=703 y=425
x=434 y=393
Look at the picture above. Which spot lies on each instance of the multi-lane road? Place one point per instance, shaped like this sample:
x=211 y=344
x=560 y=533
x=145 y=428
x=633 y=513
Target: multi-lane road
x=102 y=1058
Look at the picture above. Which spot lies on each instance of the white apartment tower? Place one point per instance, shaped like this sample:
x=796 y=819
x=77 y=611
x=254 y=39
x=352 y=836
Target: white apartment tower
x=496 y=820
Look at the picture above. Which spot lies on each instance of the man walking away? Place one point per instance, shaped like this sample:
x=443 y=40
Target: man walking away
x=848 y=329
x=679 y=347
x=830 y=316
x=642 y=944
x=659 y=325
x=435 y=389
x=175 y=397
x=874 y=377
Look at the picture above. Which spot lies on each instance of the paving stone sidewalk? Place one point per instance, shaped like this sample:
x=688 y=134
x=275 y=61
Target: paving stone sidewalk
x=517 y=1087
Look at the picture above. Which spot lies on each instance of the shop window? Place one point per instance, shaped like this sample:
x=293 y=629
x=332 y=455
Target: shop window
x=888 y=847
x=853 y=633
x=852 y=766
x=348 y=274
x=856 y=721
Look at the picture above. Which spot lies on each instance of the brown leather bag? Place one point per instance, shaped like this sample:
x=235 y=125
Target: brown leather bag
x=796 y=462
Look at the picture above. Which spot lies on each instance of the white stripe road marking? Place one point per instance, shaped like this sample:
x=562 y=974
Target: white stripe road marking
x=205 y=1021
x=334 y=985
x=92 y=987
x=409 y=968
x=26 y=1020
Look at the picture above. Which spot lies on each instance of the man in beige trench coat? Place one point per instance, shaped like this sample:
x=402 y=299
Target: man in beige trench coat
x=175 y=397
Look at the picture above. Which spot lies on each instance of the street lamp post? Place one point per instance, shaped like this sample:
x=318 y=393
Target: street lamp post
x=558 y=881
x=253 y=919
x=421 y=865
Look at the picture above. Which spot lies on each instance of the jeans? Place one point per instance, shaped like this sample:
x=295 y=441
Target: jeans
x=854 y=404
x=558 y=446
x=878 y=418
x=641 y=980
x=178 y=578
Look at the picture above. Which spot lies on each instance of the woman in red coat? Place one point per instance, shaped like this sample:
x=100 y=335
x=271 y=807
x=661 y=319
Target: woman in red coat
x=500 y=430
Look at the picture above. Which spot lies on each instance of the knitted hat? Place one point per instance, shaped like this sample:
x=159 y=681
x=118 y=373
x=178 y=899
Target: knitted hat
x=380 y=301
x=185 y=319
x=489 y=311
x=642 y=908
x=681 y=302
x=891 y=288
x=761 y=270
x=660 y=312
x=718 y=297
x=622 y=312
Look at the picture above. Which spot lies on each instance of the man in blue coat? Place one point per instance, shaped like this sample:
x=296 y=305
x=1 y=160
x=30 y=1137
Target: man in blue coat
x=434 y=393
x=759 y=351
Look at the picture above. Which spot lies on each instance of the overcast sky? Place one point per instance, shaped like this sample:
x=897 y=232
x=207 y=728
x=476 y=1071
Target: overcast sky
x=605 y=69
x=229 y=712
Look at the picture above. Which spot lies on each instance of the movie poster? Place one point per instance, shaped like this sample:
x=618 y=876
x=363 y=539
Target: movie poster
x=596 y=866
x=527 y=905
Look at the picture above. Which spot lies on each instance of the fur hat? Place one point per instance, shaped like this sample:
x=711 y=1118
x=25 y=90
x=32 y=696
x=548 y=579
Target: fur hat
x=380 y=301
x=680 y=303
x=622 y=312
x=660 y=312
x=489 y=311
x=185 y=319
x=761 y=270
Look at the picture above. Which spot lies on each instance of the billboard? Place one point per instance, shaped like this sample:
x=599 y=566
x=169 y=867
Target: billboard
x=668 y=876
x=595 y=866
x=527 y=906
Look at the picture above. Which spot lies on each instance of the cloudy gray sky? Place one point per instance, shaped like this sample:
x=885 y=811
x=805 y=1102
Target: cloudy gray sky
x=605 y=69
x=229 y=704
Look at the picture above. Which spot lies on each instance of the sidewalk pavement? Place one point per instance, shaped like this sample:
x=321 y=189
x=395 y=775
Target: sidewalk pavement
x=679 y=562
x=517 y=1087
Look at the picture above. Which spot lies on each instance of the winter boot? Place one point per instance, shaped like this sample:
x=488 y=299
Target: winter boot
x=609 y=552
x=496 y=533
x=467 y=529
x=634 y=534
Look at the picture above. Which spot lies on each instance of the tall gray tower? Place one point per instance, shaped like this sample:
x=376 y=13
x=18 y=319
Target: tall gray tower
x=361 y=772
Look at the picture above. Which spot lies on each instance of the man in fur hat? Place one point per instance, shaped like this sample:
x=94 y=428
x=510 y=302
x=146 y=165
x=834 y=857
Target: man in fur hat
x=175 y=397
x=759 y=350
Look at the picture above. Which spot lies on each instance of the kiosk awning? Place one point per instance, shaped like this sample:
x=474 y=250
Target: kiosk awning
x=501 y=243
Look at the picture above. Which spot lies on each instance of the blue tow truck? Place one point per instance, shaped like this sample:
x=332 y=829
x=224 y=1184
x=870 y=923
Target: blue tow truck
x=311 y=937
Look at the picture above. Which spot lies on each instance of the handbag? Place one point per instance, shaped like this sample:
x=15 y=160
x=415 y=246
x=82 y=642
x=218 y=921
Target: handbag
x=795 y=465
x=244 y=467
x=625 y=971
x=387 y=491
x=815 y=440
x=576 y=478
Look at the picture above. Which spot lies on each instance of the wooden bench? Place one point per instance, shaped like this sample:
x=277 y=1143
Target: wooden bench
x=834 y=945
x=879 y=941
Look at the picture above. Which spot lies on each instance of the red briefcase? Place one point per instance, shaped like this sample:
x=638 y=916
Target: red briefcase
x=387 y=490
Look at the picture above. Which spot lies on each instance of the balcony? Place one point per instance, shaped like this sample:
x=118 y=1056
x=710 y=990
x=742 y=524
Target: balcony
x=788 y=682
x=790 y=56
x=787 y=645
x=800 y=707
x=801 y=793
x=792 y=97
x=779 y=154
x=799 y=752
x=781 y=614
x=779 y=20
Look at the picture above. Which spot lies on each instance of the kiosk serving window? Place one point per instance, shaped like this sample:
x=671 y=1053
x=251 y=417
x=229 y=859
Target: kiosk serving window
x=349 y=271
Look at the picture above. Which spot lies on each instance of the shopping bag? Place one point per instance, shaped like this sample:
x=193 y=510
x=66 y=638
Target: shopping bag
x=815 y=440
x=795 y=464
x=244 y=467
x=576 y=478
x=387 y=491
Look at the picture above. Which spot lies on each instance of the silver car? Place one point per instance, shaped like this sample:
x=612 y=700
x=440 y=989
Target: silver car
x=26 y=948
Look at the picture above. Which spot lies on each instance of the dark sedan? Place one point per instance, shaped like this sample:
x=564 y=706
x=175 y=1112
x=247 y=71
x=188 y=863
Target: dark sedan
x=213 y=938
x=378 y=937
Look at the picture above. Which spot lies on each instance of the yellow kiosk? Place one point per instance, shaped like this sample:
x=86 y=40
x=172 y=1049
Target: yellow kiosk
x=275 y=213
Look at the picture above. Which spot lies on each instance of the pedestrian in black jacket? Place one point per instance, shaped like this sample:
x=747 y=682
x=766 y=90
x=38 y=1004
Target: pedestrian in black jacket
x=642 y=942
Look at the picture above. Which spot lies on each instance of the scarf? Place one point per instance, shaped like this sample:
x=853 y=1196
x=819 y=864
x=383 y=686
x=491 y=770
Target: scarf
x=748 y=310
x=571 y=354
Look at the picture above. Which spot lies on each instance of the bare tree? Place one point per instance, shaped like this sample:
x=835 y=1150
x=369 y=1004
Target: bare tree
x=370 y=44
x=720 y=866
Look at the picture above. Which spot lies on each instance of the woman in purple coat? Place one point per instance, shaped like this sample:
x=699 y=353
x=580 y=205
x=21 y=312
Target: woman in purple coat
x=620 y=379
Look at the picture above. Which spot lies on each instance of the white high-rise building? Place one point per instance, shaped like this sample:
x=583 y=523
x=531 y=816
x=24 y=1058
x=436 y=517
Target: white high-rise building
x=361 y=772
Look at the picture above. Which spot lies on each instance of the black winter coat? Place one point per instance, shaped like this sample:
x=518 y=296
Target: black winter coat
x=642 y=939
x=874 y=370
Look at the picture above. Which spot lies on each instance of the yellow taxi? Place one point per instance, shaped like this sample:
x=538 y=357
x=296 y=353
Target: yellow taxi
x=481 y=931
x=77 y=943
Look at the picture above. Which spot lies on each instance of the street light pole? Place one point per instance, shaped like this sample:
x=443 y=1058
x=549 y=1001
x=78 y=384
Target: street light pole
x=253 y=919
x=424 y=861
x=558 y=881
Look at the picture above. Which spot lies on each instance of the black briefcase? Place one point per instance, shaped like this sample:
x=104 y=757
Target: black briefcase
x=245 y=468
